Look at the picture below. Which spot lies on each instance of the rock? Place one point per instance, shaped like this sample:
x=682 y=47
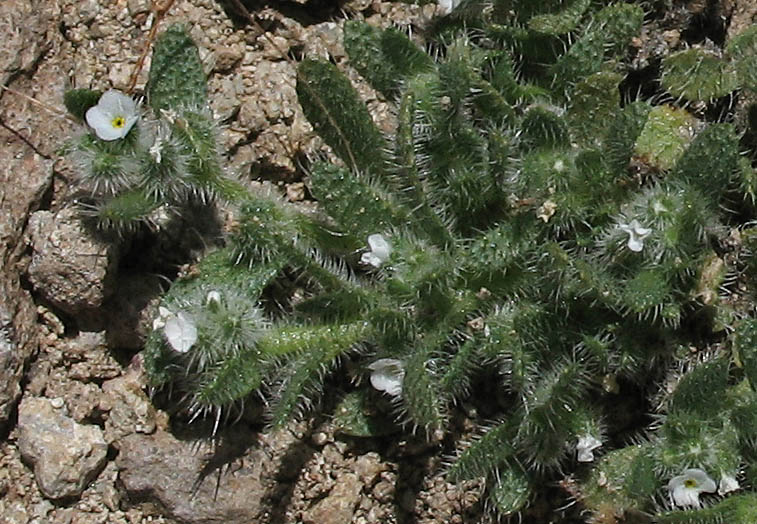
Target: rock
x=70 y=268
x=339 y=506
x=18 y=330
x=226 y=58
x=130 y=411
x=172 y=472
x=82 y=400
x=89 y=358
x=18 y=339
x=24 y=28
x=137 y=7
x=251 y=116
x=369 y=467
x=226 y=105
x=65 y=455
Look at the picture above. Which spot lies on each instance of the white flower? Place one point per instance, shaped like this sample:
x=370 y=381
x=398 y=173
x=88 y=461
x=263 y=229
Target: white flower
x=585 y=448
x=113 y=116
x=636 y=235
x=179 y=329
x=727 y=484
x=379 y=253
x=387 y=375
x=447 y=6
x=685 y=488
x=213 y=297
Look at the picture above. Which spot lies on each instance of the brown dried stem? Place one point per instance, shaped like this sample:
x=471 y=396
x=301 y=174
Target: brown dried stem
x=159 y=11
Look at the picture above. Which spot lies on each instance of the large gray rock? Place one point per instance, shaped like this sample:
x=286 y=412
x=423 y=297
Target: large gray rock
x=24 y=178
x=70 y=268
x=173 y=473
x=65 y=455
x=18 y=339
x=23 y=25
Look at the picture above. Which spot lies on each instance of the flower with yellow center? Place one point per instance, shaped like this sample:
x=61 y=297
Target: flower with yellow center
x=113 y=116
x=685 y=488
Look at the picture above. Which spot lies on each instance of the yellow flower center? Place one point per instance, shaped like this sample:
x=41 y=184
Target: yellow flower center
x=118 y=122
x=690 y=483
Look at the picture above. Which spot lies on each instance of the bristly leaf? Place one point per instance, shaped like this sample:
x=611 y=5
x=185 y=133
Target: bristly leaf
x=420 y=393
x=736 y=509
x=313 y=352
x=697 y=75
x=485 y=455
x=338 y=115
x=360 y=206
x=383 y=57
x=742 y=49
x=176 y=78
x=511 y=490
x=711 y=161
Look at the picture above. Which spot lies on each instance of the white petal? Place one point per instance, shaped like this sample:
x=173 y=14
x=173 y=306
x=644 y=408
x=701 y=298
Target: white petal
x=101 y=123
x=635 y=244
x=213 y=296
x=447 y=6
x=112 y=104
x=116 y=103
x=686 y=497
x=180 y=332
x=369 y=259
x=387 y=375
x=727 y=484
x=586 y=445
x=379 y=247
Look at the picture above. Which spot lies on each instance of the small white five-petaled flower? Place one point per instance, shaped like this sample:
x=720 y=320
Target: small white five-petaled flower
x=387 y=375
x=685 y=488
x=113 y=116
x=636 y=235
x=179 y=329
x=585 y=448
x=379 y=253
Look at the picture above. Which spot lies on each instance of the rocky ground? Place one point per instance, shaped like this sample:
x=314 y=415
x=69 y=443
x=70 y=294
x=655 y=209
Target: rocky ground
x=81 y=440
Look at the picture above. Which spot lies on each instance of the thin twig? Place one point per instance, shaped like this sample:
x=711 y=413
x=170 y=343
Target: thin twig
x=159 y=12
